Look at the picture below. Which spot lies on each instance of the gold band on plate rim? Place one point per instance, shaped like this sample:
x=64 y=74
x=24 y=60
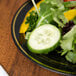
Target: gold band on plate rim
x=27 y=53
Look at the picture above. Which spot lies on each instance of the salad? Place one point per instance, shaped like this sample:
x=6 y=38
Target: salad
x=52 y=27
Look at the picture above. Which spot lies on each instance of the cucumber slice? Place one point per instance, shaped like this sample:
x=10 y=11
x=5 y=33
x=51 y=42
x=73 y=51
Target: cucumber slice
x=70 y=4
x=44 y=39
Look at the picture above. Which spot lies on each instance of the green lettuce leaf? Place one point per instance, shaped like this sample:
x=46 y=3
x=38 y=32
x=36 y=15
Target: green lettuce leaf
x=68 y=44
x=52 y=10
x=27 y=35
x=74 y=20
x=71 y=57
x=68 y=38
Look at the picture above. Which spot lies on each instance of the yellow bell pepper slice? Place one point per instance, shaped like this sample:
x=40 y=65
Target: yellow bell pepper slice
x=24 y=27
x=70 y=14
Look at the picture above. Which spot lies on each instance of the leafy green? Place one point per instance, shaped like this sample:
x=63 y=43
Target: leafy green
x=57 y=3
x=31 y=20
x=74 y=20
x=70 y=3
x=74 y=42
x=44 y=19
x=35 y=7
x=68 y=38
x=27 y=35
x=71 y=57
x=45 y=14
x=68 y=44
x=52 y=10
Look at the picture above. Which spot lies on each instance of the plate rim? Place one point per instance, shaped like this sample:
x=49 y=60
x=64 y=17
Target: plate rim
x=23 y=51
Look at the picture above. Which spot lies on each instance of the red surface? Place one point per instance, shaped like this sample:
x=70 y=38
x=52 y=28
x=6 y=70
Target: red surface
x=69 y=0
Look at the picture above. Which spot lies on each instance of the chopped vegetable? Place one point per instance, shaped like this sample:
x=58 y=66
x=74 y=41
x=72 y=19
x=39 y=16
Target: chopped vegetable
x=68 y=27
x=44 y=39
x=52 y=12
x=74 y=20
x=23 y=28
x=35 y=7
x=71 y=57
x=70 y=15
x=27 y=35
x=68 y=0
x=68 y=43
x=70 y=4
x=31 y=20
x=68 y=38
